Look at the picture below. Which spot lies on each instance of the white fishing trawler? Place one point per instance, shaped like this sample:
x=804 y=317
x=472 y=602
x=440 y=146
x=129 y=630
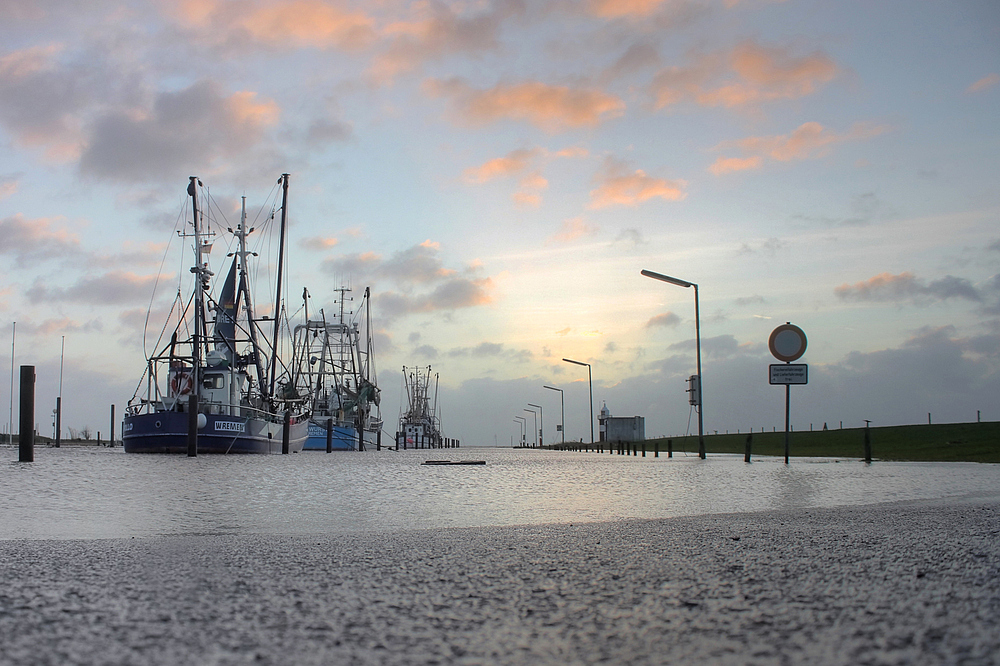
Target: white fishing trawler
x=420 y=424
x=335 y=363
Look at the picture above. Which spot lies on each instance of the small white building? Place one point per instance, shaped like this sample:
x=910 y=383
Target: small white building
x=620 y=428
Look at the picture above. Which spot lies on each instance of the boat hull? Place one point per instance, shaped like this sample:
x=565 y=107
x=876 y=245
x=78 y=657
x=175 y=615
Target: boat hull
x=343 y=438
x=167 y=432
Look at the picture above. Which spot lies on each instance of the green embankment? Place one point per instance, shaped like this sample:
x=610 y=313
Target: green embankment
x=951 y=442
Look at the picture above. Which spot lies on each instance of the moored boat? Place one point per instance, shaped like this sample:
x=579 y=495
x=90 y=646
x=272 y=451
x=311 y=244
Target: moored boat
x=335 y=365
x=228 y=392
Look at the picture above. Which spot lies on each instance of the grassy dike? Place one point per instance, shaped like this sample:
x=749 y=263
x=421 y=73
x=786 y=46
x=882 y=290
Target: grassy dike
x=947 y=442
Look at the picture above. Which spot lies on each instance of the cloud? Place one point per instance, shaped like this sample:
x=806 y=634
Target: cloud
x=631 y=237
x=550 y=108
x=324 y=131
x=8 y=184
x=30 y=240
x=491 y=350
x=619 y=188
x=512 y=163
x=572 y=229
x=422 y=281
x=749 y=74
x=288 y=24
x=184 y=131
x=984 y=83
x=808 y=141
x=666 y=319
x=318 y=242
x=39 y=101
x=611 y=9
x=426 y=351
x=114 y=288
x=749 y=300
x=439 y=29
x=886 y=287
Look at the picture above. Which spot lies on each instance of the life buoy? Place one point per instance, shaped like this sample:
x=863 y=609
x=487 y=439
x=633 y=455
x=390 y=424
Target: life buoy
x=181 y=383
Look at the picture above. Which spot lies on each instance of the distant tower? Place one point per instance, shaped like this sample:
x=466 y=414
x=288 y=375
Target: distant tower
x=602 y=420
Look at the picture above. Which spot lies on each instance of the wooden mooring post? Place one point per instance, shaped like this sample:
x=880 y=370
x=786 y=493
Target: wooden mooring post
x=26 y=421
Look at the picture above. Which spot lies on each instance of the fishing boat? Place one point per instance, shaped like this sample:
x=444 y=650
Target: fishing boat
x=335 y=364
x=420 y=424
x=229 y=391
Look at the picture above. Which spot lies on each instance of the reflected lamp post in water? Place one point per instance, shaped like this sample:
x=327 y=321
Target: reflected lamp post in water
x=590 y=381
x=534 y=421
x=541 y=424
x=524 y=424
x=562 y=411
x=697 y=329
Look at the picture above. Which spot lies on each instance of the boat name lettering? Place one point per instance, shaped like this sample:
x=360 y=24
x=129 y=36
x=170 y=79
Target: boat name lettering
x=229 y=426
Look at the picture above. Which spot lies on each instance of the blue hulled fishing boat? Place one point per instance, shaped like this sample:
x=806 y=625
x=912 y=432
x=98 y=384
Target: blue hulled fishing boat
x=228 y=391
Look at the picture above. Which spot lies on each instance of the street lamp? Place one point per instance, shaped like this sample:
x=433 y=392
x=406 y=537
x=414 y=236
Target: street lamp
x=541 y=424
x=562 y=411
x=524 y=424
x=590 y=380
x=697 y=329
x=534 y=421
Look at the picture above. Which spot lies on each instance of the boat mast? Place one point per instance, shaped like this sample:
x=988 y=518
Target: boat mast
x=202 y=275
x=241 y=235
x=277 y=295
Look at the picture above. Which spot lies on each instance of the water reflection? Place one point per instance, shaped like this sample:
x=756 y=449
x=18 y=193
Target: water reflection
x=100 y=493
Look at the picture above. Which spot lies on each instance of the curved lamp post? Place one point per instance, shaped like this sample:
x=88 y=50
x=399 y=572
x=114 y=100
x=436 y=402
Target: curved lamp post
x=590 y=380
x=697 y=329
x=534 y=421
x=541 y=423
x=524 y=424
x=562 y=411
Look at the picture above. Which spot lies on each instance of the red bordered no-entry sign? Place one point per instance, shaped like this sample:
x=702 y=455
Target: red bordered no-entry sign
x=787 y=343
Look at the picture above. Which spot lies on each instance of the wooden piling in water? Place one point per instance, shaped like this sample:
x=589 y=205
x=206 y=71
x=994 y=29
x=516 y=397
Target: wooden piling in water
x=746 y=447
x=192 y=425
x=26 y=422
x=670 y=448
x=286 y=428
x=329 y=435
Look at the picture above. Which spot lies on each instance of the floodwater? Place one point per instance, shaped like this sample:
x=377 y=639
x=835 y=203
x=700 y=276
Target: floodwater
x=93 y=493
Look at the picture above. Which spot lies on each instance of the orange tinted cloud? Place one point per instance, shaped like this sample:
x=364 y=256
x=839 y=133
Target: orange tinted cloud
x=527 y=199
x=984 y=83
x=809 y=140
x=514 y=162
x=288 y=23
x=621 y=189
x=552 y=108
x=623 y=8
x=572 y=229
x=729 y=164
x=749 y=74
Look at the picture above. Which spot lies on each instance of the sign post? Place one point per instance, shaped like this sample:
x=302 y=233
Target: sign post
x=788 y=343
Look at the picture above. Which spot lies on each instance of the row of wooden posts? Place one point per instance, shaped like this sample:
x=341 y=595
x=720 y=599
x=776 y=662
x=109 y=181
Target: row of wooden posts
x=637 y=448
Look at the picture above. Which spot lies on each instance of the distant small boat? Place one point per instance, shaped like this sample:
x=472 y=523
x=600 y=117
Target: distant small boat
x=419 y=425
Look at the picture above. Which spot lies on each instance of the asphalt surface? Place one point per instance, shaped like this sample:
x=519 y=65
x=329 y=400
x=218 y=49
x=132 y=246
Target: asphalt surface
x=915 y=583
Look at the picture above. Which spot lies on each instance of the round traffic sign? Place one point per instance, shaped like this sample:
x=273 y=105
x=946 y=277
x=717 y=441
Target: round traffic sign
x=787 y=343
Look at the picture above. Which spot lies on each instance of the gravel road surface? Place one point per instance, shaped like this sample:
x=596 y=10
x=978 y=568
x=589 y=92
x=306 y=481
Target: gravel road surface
x=912 y=583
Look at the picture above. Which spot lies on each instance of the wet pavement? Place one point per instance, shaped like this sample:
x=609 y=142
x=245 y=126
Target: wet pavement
x=888 y=584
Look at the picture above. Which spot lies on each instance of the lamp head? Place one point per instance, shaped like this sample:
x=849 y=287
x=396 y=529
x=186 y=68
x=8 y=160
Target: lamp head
x=667 y=278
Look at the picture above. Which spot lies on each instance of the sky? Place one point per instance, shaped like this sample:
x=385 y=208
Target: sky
x=499 y=173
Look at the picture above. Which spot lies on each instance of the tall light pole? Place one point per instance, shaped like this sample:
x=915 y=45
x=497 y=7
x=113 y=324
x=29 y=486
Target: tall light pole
x=697 y=332
x=534 y=421
x=541 y=424
x=590 y=380
x=58 y=433
x=562 y=411
x=524 y=424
